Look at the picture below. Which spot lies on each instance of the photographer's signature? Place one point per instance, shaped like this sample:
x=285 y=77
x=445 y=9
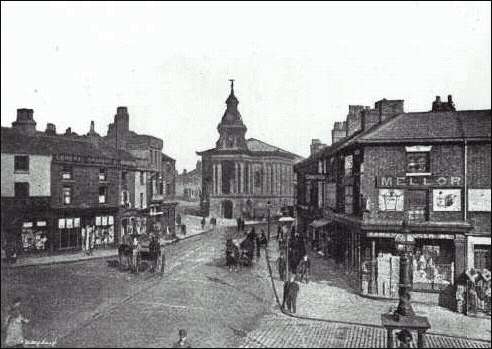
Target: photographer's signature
x=42 y=343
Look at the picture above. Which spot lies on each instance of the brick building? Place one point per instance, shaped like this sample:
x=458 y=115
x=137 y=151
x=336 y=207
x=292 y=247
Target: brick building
x=244 y=176
x=430 y=168
x=56 y=185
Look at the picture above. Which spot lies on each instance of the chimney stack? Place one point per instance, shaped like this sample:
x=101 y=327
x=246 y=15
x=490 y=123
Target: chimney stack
x=339 y=131
x=25 y=121
x=316 y=145
x=68 y=131
x=50 y=129
x=438 y=106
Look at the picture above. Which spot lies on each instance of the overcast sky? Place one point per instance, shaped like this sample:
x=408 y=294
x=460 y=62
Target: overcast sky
x=297 y=65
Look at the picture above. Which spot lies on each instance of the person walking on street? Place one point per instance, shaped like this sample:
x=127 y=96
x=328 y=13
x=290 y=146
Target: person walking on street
x=203 y=223
x=14 y=326
x=154 y=249
x=304 y=268
x=292 y=291
x=279 y=233
x=285 y=297
x=135 y=253
x=281 y=266
x=238 y=220
x=183 y=341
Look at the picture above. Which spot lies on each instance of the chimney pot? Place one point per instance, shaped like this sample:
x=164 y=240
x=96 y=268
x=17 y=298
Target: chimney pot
x=438 y=98
x=450 y=98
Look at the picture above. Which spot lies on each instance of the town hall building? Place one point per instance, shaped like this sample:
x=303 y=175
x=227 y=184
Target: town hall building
x=245 y=177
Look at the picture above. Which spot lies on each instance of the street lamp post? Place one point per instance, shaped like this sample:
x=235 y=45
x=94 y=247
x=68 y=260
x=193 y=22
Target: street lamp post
x=268 y=224
x=404 y=244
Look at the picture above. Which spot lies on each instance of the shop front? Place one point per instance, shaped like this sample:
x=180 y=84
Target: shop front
x=81 y=229
x=432 y=266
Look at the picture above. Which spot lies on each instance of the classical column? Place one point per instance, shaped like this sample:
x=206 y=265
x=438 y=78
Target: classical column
x=250 y=179
x=241 y=187
x=219 y=178
x=214 y=179
x=236 y=178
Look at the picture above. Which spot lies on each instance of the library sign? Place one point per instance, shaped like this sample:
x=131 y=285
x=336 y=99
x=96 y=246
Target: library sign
x=419 y=181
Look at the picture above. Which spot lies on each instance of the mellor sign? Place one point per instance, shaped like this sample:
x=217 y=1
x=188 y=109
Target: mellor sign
x=418 y=181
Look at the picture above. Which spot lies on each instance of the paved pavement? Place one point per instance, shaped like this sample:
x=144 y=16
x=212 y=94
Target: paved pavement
x=277 y=331
x=329 y=296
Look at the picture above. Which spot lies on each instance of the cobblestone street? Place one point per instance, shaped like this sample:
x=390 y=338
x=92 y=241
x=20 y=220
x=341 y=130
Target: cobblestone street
x=89 y=304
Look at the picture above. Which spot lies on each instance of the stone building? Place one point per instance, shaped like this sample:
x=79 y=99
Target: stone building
x=189 y=184
x=432 y=169
x=244 y=176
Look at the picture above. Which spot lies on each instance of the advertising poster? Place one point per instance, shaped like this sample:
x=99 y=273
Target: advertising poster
x=446 y=200
x=479 y=200
x=391 y=200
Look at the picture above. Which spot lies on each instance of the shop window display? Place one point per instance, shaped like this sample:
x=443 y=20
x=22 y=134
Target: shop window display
x=433 y=266
x=34 y=236
x=69 y=232
x=104 y=231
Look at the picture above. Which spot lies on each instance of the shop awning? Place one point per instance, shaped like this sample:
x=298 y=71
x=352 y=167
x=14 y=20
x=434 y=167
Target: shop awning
x=318 y=223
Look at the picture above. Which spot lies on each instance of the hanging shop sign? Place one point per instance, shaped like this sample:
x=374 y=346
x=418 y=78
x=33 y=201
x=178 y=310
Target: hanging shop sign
x=418 y=181
x=446 y=200
x=479 y=200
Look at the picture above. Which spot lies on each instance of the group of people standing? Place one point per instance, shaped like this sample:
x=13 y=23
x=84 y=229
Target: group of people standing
x=298 y=262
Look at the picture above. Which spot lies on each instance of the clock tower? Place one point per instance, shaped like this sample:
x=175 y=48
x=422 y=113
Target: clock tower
x=231 y=128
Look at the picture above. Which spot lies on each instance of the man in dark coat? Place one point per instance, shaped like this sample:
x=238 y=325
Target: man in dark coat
x=154 y=250
x=281 y=266
x=304 y=269
x=292 y=291
x=182 y=342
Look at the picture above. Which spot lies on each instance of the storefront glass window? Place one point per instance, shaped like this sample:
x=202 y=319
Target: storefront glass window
x=432 y=265
x=104 y=232
x=69 y=232
x=34 y=237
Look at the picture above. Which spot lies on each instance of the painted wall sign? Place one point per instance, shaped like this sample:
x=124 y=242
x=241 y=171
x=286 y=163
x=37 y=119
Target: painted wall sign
x=479 y=200
x=380 y=234
x=446 y=200
x=391 y=200
x=418 y=181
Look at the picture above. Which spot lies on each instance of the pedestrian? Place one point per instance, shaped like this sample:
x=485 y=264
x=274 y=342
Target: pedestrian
x=183 y=229
x=263 y=239
x=286 y=294
x=154 y=249
x=281 y=266
x=304 y=268
x=238 y=219
x=178 y=219
x=183 y=341
x=230 y=254
x=258 y=246
x=14 y=326
x=292 y=291
x=203 y=223
x=135 y=253
x=279 y=232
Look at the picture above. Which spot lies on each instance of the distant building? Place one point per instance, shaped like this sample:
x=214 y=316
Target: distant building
x=244 y=176
x=189 y=184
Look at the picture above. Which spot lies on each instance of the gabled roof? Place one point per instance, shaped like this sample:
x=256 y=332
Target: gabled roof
x=166 y=157
x=468 y=124
x=41 y=144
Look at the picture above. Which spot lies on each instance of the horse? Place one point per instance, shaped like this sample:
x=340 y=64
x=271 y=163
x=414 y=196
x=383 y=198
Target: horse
x=232 y=255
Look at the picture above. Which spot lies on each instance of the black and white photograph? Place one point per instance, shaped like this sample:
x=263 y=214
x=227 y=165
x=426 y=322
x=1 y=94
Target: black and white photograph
x=246 y=174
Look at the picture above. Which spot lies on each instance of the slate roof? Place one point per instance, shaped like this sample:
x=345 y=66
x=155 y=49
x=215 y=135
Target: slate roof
x=419 y=126
x=39 y=143
x=469 y=124
x=255 y=148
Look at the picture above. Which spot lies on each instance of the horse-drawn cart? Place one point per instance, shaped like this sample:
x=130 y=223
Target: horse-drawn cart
x=134 y=253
